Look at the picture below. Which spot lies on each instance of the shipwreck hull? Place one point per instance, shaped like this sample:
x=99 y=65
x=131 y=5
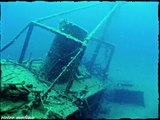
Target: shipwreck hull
x=59 y=86
x=82 y=99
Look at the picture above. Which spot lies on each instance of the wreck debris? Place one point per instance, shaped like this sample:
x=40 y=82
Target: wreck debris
x=12 y=110
x=60 y=75
x=34 y=103
x=13 y=90
x=60 y=68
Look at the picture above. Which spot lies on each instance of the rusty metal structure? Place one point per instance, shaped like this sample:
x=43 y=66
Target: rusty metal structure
x=53 y=89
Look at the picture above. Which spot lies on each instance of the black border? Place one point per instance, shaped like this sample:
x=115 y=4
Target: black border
x=100 y=1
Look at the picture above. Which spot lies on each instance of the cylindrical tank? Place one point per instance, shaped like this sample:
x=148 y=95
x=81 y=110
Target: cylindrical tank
x=62 y=50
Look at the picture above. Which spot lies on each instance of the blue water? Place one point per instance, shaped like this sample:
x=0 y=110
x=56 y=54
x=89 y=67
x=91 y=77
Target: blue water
x=133 y=29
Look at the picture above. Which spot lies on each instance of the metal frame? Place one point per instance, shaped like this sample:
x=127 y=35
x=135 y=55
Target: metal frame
x=36 y=23
x=109 y=47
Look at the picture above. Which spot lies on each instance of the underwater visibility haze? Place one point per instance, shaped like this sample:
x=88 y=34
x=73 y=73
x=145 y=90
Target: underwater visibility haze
x=86 y=60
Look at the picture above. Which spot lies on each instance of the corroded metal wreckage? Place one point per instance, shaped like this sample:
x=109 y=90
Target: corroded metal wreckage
x=59 y=86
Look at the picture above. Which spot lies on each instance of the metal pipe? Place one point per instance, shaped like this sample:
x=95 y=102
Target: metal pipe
x=109 y=59
x=56 y=31
x=65 y=12
x=93 y=59
x=26 y=42
x=100 y=23
x=14 y=40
